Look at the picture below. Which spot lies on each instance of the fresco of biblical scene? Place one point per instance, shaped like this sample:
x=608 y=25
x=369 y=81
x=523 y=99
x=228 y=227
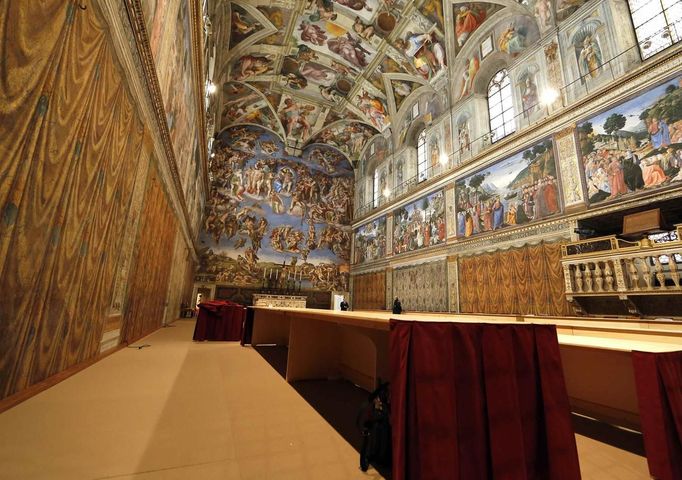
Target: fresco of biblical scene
x=331 y=38
x=297 y=117
x=564 y=8
x=364 y=9
x=471 y=67
x=374 y=108
x=468 y=17
x=543 y=13
x=424 y=49
x=328 y=159
x=512 y=35
x=419 y=224
x=395 y=65
x=515 y=191
x=588 y=52
x=305 y=70
x=155 y=12
x=268 y=211
x=635 y=146
x=251 y=65
x=244 y=104
x=435 y=153
x=279 y=18
x=370 y=241
x=178 y=93
x=528 y=89
x=433 y=10
x=349 y=137
x=242 y=25
x=401 y=90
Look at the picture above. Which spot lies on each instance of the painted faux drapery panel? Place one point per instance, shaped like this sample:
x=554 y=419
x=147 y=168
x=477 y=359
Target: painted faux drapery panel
x=70 y=142
x=423 y=287
x=369 y=291
x=526 y=280
x=148 y=284
x=180 y=284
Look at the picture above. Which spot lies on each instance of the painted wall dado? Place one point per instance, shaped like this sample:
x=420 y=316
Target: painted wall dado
x=79 y=183
x=422 y=287
x=269 y=210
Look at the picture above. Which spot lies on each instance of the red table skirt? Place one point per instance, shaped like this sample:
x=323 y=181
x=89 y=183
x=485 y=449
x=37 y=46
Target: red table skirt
x=658 y=377
x=479 y=401
x=219 y=320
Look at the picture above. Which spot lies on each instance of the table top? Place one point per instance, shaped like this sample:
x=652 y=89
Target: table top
x=601 y=338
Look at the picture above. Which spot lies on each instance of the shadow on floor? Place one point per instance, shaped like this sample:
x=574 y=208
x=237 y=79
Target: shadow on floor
x=337 y=401
x=611 y=435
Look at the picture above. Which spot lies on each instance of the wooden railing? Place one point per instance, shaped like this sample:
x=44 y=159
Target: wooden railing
x=610 y=266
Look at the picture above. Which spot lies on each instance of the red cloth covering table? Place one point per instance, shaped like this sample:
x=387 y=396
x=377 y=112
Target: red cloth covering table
x=658 y=377
x=479 y=401
x=219 y=320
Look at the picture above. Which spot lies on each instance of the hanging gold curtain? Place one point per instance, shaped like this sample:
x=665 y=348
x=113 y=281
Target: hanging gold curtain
x=70 y=142
x=526 y=280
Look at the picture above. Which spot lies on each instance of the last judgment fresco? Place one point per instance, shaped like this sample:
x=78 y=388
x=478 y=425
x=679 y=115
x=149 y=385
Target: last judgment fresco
x=272 y=214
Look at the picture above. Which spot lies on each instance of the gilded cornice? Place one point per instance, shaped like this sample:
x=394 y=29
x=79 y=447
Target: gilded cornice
x=130 y=40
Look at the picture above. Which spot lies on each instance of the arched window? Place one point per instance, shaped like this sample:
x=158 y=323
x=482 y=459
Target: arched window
x=376 y=194
x=658 y=24
x=500 y=106
x=422 y=165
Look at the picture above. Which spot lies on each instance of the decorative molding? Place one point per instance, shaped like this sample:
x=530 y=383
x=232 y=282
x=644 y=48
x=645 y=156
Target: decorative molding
x=131 y=43
x=569 y=167
x=554 y=230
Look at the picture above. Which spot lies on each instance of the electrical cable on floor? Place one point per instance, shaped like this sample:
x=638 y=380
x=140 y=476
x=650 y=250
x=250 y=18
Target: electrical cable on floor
x=139 y=347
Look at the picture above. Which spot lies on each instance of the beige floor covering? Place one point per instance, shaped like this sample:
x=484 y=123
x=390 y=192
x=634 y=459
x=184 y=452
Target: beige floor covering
x=180 y=410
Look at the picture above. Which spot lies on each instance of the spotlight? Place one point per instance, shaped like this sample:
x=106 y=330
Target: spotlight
x=549 y=96
x=443 y=159
x=211 y=88
x=387 y=192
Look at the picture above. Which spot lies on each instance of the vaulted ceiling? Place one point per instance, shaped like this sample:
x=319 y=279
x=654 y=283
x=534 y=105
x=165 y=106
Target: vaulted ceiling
x=339 y=72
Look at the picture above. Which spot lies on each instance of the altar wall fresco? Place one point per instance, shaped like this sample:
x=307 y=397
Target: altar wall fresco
x=271 y=214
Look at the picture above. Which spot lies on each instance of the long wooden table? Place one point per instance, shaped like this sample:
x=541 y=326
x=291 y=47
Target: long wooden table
x=596 y=354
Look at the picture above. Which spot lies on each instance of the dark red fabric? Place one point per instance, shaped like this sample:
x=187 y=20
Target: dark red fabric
x=658 y=378
x=219 y=320
x=479 y=401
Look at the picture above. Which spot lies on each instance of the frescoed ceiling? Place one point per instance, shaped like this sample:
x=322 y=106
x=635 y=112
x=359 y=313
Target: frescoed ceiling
x=338 y=72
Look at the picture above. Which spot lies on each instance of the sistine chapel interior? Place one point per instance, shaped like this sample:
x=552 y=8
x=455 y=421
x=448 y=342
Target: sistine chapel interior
x=321 y=189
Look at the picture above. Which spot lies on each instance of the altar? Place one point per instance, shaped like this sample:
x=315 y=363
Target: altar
x=280 y=301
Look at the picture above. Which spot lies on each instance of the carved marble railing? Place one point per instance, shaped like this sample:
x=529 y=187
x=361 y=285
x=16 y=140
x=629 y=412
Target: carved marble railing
x=609 y=266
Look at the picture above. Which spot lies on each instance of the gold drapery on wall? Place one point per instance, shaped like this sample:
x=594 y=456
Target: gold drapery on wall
x=148 y=283
x=70 y=143
x=369 y=291
x=526 y=280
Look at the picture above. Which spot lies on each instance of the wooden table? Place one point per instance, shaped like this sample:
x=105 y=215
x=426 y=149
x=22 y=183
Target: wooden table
x=596 y=354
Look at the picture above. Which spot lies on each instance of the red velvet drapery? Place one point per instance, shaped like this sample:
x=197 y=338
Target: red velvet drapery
x=658 y=378
x=219 y=320
x=479 y=401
